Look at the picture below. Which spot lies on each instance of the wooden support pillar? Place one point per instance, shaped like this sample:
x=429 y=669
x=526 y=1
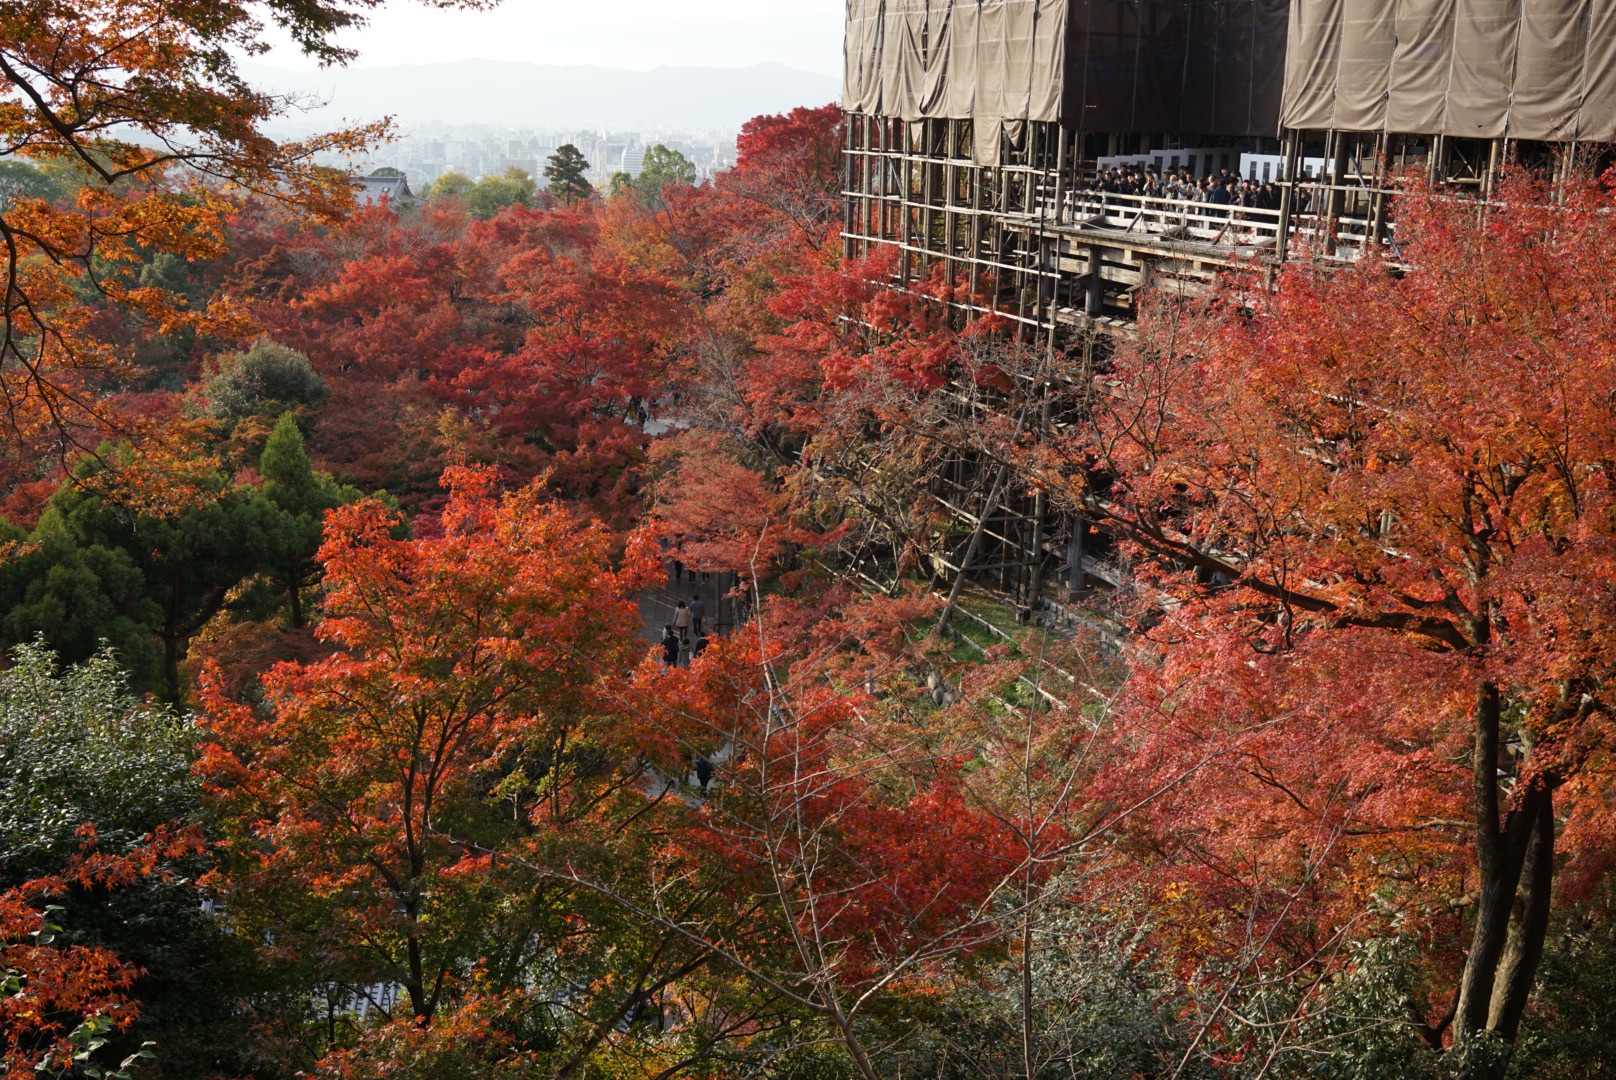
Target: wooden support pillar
x=1074 y=558
x=1287 y=192
x=951 y=201
x=927 y=194
x=1021 y=290
x=905 y=207
x=1035 y=563
x=976 y=178
x=854 y=179
x=1338 y=169
x=1096 y=294
x=1494 y=154
x=877 y=226
x=1379 y=199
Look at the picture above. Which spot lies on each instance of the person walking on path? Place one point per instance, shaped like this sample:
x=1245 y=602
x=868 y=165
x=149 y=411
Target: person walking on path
x=681 y=621
x=697 y=613
x=670 y=646
x=677 y=559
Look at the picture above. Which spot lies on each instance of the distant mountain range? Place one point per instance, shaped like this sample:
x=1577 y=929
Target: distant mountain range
x=519 y=95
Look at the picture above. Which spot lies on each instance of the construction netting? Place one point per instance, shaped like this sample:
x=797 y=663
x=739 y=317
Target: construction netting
x=1524 y=69
x=1207 y=67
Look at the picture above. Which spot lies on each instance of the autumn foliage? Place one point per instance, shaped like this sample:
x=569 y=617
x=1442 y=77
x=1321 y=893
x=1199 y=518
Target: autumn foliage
x=61 y=998
x=1376 y=506
x=391 y=496
x=367 y=773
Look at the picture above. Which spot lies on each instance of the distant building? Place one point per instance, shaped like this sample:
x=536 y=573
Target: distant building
x=634 y=160
x=426 y=171
x=385 y=184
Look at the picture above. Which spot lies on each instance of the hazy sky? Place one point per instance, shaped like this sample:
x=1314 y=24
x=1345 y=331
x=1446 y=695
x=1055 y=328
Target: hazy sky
x=804 y=34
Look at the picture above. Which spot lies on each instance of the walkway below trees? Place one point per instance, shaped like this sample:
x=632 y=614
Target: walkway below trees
x=657 y=604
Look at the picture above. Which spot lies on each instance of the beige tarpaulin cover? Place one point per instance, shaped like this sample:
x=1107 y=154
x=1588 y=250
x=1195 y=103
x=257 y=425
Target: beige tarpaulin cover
x=991 y=61
x=1525 y=69
x=1208 y=67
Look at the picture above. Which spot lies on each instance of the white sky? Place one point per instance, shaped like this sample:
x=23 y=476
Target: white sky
x=641 y=34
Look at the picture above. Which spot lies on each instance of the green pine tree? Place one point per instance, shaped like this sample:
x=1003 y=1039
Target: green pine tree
x=566 y=170
x=301 y=496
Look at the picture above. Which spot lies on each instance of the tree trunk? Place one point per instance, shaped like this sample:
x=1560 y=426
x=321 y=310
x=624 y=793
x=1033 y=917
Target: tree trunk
x=1515 y=862
x=171 y=668
x=1029 y=1056
x=294 y=601
x=415 y=985
x=855 y=1048
x=1518 y=968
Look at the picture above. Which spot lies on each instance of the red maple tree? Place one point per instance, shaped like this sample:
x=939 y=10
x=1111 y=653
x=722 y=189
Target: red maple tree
x=1375 y=506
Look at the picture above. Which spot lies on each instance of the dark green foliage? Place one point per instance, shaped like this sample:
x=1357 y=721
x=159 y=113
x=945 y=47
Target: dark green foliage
x=94 y=573
x=1355 y=1027
x=188 y=560
x=1570 y=1032
x=301 y=496
x=662 y=166
x=1103 y=1006
x=567 y=172
x=77 y=598
x=268 y=380
x=76 y=749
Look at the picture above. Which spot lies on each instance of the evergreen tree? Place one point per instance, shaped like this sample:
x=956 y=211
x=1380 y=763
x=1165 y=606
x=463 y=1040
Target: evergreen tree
x=188 y=558
x=566 y=170
x=266 y=380
x=76 y=598
x=301 y=496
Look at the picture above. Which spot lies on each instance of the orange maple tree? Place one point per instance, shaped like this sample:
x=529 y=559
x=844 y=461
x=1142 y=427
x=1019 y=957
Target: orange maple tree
x=139 y=106
x=842 y=819
x=371 y=781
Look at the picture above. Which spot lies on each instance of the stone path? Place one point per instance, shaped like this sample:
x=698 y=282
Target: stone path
x=657 y=604
x=656 y=611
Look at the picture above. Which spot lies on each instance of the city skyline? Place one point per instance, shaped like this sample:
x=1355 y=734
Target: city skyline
x=477 y=150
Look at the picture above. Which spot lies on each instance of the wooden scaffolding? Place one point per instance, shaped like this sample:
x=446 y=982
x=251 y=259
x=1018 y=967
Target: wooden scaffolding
x=1027 y=238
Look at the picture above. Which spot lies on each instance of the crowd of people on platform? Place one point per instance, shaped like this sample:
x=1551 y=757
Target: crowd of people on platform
x=1224 y=189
